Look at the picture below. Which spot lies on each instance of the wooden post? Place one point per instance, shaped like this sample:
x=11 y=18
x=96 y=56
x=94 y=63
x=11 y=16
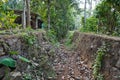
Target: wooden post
x=36 y=22
x=28 y=12
x=24 y=15
x=85 y=5
x=48 y=12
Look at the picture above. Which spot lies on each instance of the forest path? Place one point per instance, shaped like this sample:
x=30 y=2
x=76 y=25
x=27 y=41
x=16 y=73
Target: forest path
x=69 y=66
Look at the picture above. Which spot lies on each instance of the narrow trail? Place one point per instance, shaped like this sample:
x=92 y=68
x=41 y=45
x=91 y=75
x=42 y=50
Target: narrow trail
x=68 y=66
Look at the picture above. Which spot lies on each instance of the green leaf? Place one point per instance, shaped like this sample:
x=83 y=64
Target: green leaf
x=8 y=62
x=13 y=52
x=23 y=59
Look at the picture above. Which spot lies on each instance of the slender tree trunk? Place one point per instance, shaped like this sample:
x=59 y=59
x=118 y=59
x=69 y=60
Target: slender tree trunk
x=85 y=13
x=96 y=1
x=90 y=7
x=24 y=15
x=48 y=14
x=28 y=12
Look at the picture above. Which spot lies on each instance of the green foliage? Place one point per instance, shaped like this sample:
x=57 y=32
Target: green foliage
x=27 y=77
x=100 y=77
x=23 y=59
x=105 y=19
x=69 y=37
x=8 y=62
x=15 y=4
x=62 y=14
x=98 y=62
x=29 y=38
x=51 y=35
x=13 y=52
x=114 y=3
x=64 y=18
x=7 y=17
x=91 y=25
x=108 y=16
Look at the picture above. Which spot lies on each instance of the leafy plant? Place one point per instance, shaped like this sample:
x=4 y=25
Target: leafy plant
x=91 y=25
x=98 y=62
x=51 y=34
x=11 y=62
x=27 y=77
x=13 y=52
x=100 y=77
x=69 y=36
x=7 y=17
x=29 y=38
x=23 y=59
x=8 y=62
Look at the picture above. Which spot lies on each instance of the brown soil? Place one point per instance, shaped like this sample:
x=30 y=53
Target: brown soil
x=69 y=66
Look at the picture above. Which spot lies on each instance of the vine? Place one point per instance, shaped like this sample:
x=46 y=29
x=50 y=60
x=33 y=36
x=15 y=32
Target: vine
x=101 y=52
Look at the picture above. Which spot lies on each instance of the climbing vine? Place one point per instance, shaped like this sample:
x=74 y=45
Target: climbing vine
x=101 y=52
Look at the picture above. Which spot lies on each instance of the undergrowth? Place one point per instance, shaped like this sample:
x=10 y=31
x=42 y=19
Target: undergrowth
x=41 y=68
x=51 y=36
x=29 y=38
x=101 y=52
x=68 y=41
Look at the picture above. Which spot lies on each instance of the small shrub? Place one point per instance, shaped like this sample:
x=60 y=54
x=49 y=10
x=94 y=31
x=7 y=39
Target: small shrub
x=69 y=37
x=29 y=38
x=91 y=25
x=51 y=35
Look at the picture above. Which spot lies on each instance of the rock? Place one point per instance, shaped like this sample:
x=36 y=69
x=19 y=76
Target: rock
x=3 y=73
x=6 y=47
x=72 y=79
x=86 y=78
x=1 y=51
x=68 y=76
x=15 y=74
x=114 y=73
x=3 y=70
x=119 y=52
x=11 y=42
x=118 y=63
x=34 y=63
x=78 y=78
x=51 y=78
x=63 y=77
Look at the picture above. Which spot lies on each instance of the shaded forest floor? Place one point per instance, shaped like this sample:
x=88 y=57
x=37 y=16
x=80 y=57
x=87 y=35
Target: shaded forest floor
x=69 y=66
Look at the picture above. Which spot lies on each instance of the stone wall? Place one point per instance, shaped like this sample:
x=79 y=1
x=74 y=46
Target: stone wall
x=88 y=44
x=31 y=52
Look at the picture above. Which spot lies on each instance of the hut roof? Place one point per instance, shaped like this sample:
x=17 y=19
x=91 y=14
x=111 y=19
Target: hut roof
x=21 y=11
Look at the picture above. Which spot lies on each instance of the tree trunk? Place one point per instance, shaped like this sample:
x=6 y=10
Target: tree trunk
x=85 y=13
x=28 y=13
x=90 y=7
x=24 y=15
x=48 y=6
x=96 y=1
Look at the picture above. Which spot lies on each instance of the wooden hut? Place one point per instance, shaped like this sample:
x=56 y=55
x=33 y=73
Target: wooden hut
x=36 y=22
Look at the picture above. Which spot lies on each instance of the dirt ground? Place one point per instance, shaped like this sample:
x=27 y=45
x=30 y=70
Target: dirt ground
x=69 y=66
